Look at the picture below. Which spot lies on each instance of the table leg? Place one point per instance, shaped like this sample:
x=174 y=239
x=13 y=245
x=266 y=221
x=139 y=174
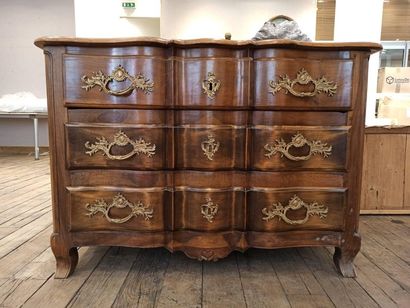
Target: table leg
x=36 y=146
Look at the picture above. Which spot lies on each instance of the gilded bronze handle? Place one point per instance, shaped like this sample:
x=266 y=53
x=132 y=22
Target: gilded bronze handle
x=209 y=209
x=120 y=202
x=298 y=140
x=140 y=146
x=119 y=74
x=210 y=146
x=302 y=77
x=295 y=203
x=210 y=85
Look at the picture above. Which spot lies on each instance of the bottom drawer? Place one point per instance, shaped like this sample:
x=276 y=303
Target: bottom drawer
x=137 y=209
x=209 y=209
x=296 y=209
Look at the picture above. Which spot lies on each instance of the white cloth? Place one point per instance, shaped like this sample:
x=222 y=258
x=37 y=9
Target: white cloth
x=22 y=102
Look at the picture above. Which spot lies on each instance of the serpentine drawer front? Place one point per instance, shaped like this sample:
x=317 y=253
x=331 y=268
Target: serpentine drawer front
x=295 y=209
x=127 y=80
x=210 y=147
x=209 y=80
x=135 y=147
x=209 y=209
x=102 y=209
x=294 y=83
x=304 y=147
x=205 y=146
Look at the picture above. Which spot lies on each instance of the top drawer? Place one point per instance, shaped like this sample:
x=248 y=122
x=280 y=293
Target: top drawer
x=115 y=80
x=298 y=83
x=216 y=83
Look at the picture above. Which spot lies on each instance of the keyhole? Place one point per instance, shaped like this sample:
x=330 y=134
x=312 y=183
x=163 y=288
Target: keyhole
x=210 y=87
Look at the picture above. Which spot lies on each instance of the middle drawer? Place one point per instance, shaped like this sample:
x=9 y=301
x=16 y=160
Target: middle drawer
x=299 y=147
x=141 y=147
x=210 y=140
x=118 y=139
x=210 y=147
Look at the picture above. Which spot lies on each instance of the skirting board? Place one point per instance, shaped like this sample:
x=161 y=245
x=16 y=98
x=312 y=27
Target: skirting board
x=20 y=150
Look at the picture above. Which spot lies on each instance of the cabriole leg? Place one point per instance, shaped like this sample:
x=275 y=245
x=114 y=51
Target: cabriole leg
x=66 y=257
x=344 y=256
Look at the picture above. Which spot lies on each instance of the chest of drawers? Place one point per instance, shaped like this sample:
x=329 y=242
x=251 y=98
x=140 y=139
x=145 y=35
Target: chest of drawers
x=205 y=146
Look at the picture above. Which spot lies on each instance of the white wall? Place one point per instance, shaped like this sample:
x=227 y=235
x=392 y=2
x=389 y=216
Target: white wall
x=22 y=64
x=370 y=14
x=103 y=18
x=185 y=19
x=21 y=22
x=20 y=132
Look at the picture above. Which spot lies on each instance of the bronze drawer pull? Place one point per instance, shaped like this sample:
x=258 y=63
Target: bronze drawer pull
x=210 y=85
x=298 y=140
x=302 y=77
x=209 y=209
x=119 y=74
x=120 y=139
x=295 y=203
x=210 y=146
x=120 y=202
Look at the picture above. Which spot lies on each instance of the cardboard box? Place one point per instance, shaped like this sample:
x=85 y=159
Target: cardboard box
x=394 y=80
x=395 y=108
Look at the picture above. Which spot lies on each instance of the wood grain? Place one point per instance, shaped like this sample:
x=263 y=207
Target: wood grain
x=336 y=139
x=336 y=71
x=394 y=28
x=26 y=273
x=325 y=20
x=233 y=75
x=180 y=118
x=144 y=281
x=156 y=199
x=154 y=138
x=229 y=153
x=102 y=287
x=258 y=200
x=384 y=171
x=252 y=265
x=227 y=44
x=222 y=284
x=406 y=197
x=152 y=68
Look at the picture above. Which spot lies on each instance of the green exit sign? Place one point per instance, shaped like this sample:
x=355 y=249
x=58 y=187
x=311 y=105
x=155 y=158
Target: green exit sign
x=128 y=4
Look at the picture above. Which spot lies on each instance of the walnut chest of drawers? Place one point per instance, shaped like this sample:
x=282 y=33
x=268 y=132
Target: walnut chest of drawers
x=205 y=146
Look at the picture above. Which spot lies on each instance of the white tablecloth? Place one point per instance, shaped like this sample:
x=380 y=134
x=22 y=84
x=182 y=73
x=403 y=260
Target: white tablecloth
x=22 y=102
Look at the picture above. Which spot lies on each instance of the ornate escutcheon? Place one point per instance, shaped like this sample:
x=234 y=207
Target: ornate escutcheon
x=295 y=203
x=119 y=74
x=209 y=209
x=302 y=77
x=120 y=202
x=210 y=146
x=140 y=146
x=298 y=140
x=207 y=255
x=210 y=85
